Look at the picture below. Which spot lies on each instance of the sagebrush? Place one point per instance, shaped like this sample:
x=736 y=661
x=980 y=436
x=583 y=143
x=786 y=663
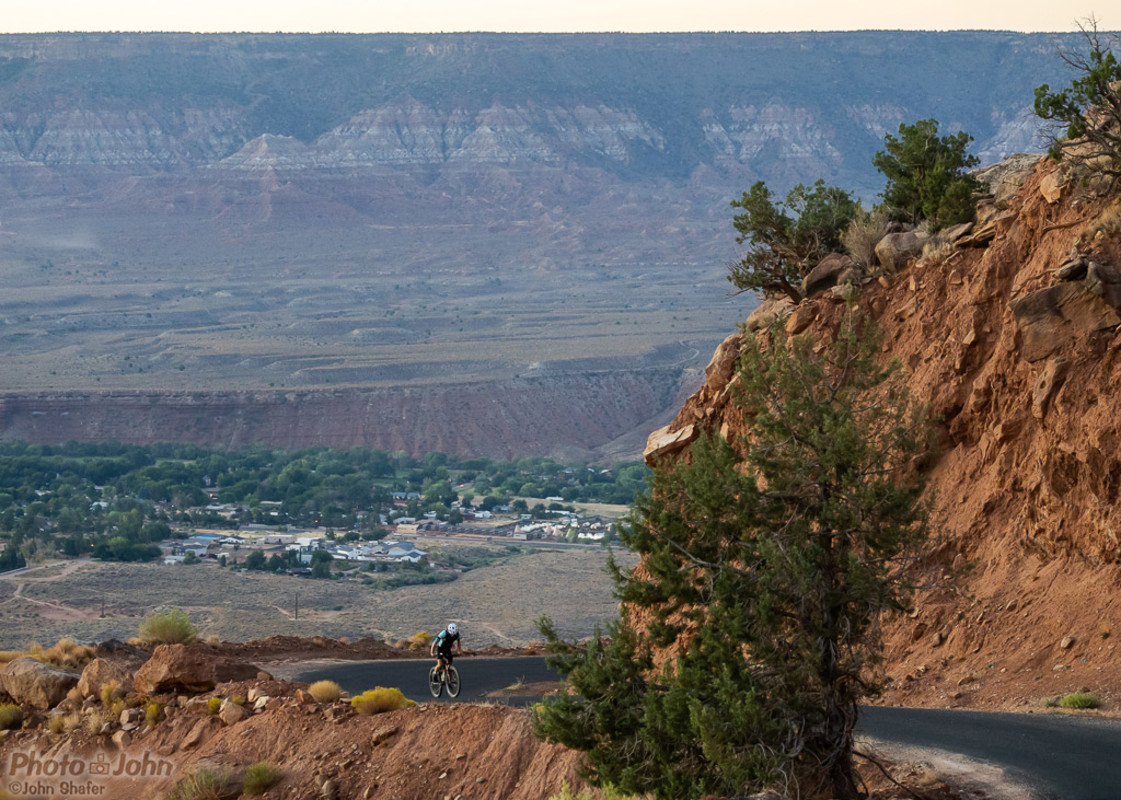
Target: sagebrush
x=379 y=700
x=260 y=777
x=170 y=627
x=325 y=691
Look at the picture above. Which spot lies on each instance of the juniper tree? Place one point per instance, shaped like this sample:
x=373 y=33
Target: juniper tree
x=926 y=175
x=1087 y=114
x=785 y=240
x=751 y=629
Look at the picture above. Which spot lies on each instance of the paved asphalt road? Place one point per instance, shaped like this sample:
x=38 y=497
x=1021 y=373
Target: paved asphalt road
x=477 y=675
x=1060 y=757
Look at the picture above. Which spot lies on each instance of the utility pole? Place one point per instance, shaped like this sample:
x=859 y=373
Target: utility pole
x=297 y=605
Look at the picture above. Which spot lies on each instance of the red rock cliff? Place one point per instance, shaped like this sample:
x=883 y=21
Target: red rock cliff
x=1016 y=343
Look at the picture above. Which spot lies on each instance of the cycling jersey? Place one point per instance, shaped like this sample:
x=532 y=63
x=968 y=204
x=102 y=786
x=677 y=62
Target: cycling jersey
x=444 y=642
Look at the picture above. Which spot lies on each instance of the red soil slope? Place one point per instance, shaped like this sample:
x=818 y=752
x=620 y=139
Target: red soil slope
x=1017 y=600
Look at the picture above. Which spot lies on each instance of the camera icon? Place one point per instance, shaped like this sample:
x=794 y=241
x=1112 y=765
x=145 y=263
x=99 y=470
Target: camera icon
x=100 y=767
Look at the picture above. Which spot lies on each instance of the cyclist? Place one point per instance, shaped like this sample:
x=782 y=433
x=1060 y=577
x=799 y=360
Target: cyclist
x=442 y=644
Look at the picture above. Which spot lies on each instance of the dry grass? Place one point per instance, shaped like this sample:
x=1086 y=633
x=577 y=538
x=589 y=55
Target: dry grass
x=94 y=723
x=64 y=653
x=937 y=249
x=111 y=692
x=260 y=777
x=64 y=723
x=379 y=700
x=325 y=691
x=863 y=234
x=203 y=784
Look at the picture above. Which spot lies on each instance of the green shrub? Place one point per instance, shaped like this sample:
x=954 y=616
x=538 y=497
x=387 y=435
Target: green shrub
x=172 y=627
x=260 y=777
x=152 y=712
x=214 y=705
x=11 y=716
x=606 y=793
x=379 y=700
x=1080 y=700
x=785 y=240
x=420 y=640
x=927 y=176
x=202 y=784
x=325 y=691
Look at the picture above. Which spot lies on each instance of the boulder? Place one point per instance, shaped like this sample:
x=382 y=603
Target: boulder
x=232 y=713
x=801 y=319
x=896 y=249
x=102 y=671
x=771 y=310
x=1104 y=281
x=1050 y=318
x=174 y=667
x=955 y=232
x=1051 y=187
x=663 y=442
x=1073 y=269
x=723 y=364
x=37 y=684
x=1005 y=178
x=827 y=274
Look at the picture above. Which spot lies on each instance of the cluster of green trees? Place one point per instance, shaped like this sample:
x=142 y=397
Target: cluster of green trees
x=116 y=500
x=1086 y=115
x=751 y=634
x=927 y=178
x=927 y=181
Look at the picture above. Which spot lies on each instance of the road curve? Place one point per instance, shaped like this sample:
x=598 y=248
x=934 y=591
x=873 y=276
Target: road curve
x=1058 y=757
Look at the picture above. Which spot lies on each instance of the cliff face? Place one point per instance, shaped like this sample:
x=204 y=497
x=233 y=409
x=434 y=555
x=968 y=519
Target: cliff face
x=1017 y=346
x=463 y=122
x=188 y=213
x=573 y=416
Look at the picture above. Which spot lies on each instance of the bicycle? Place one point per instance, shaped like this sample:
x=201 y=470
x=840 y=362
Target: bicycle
x=443 y=676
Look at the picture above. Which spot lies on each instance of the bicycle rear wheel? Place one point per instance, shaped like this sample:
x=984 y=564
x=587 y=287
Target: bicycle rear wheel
x=435 y=683
x=452 y=681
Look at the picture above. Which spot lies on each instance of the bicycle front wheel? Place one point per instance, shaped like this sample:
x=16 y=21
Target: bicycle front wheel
x=452 y=681
x=435 y=683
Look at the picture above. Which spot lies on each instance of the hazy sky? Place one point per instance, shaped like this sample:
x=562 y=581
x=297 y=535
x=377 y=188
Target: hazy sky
x=373 y=16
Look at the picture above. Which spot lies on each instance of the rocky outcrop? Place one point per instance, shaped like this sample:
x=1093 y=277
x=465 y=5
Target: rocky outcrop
x=176 y=667
x=1050 y=319
x=37 y=684
x=835 y=268
x=102 y=672
x=1015 y=342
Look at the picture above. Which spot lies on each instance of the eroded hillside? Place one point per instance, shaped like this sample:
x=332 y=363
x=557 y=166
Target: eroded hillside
x=1014 y=339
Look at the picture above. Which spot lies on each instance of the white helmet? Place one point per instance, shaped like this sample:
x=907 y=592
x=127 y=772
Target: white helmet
x=453 y=629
